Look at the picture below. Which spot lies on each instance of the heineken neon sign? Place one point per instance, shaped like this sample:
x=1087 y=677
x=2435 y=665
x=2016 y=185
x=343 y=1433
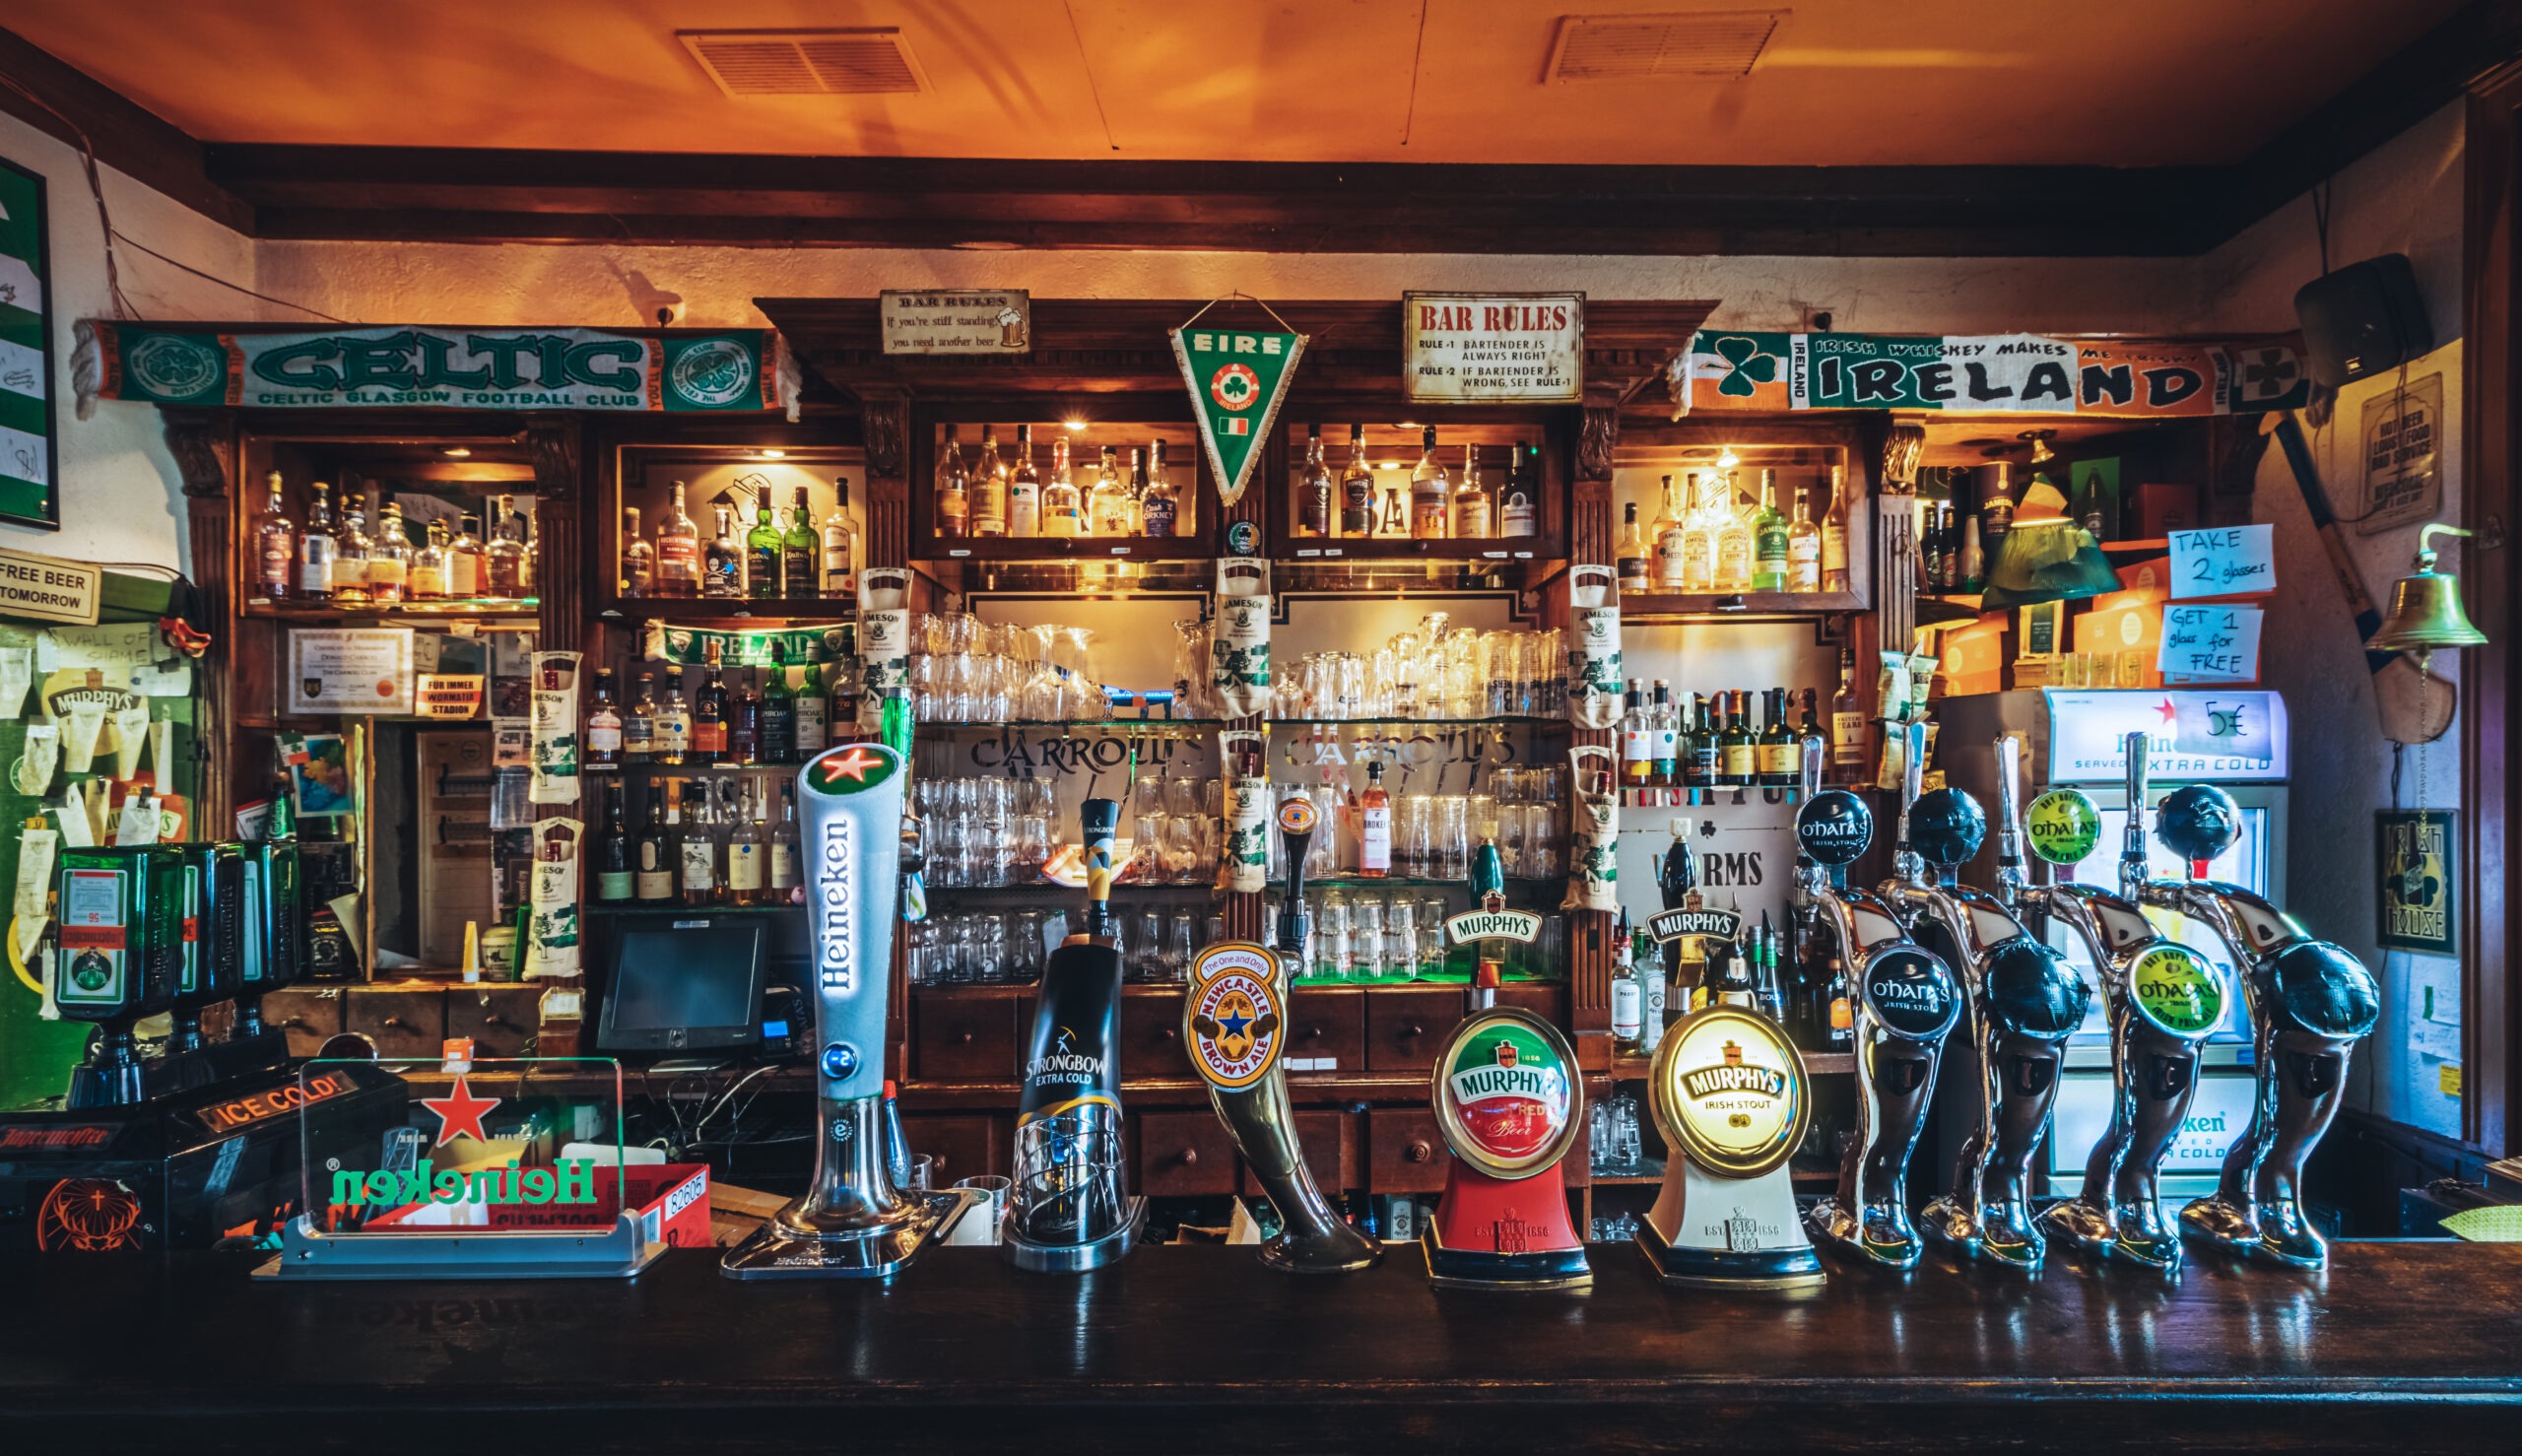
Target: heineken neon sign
x=459 y=1115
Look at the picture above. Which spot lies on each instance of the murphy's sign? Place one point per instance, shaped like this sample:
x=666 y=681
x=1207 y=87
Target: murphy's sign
x=424 y=366
x=2021 y=373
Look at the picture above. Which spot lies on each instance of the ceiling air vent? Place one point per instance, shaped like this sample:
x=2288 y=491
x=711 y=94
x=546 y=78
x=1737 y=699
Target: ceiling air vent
x=1710 y=45
x=869 y=61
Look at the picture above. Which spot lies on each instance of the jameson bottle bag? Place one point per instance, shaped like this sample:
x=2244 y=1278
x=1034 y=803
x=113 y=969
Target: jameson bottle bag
x=1593 y=646
x=1239 y=644
x=883 y=635
x=1244 y=867
x=555 y=710
x=1593 y=831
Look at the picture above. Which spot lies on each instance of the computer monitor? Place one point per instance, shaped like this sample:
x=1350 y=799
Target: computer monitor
x=685 y=982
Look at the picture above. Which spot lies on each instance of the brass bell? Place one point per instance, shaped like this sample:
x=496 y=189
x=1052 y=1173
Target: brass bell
x=2425 y=608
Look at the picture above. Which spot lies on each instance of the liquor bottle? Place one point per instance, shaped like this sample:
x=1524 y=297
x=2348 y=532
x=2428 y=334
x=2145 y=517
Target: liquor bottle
x=1996 y=505
x=275 y=545
x=529 y=566
x=428 y=580
x=1161 y=505
x=503 y=555
x=1733 y=523
x=743 y=725
x=1838 y=1008
x=779 y=710
x=702 y=884
x=844 y=680
x=1107 y=498
x=1811 y=726
x=1394 y=523
x=1357 y=488
x=638 y=558
x=747 y=853
x=316 y=549
x=840 y=550
x=1779 y=757
x=1769 y=539
x=721 y=562
x=678 y=551
x=953 y=491
x=1971 y=572
x=1637 y=740
x=1472 y=512
x=1314 y=488
x=604 y=728
x=1374 y=825
x=1647 y=961
x=350 y=555
x=1024 y=490
x=640 y=724
x=1699 y=527
x=1665 y=722
x=1741 y=744
x=1834 y=539
x=464 y=560
x=765 y=552
x=1431 y=493
x=1664 y=536
x=1519 y=512
x=654 y=879
x=1930 y=551
x=811 y=707
x=1628 y=1000
x=784 y=849
x=615 y=878
x=1850 y=763
x=1632 y=555
x=989 y=487
x=1766 y=984
x=1704 y=761
x=710 y=713
x=674 y=724
x=1803 y=549
x=389 y=557
x=796 y=553
x=1136 y=479
x=1063 y=509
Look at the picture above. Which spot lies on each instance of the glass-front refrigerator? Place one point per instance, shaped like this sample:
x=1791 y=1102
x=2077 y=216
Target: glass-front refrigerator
x=2235 y=739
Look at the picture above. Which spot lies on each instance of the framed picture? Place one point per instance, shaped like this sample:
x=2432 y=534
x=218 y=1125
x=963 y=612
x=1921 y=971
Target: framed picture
x=30 y=468
x=2418 y=909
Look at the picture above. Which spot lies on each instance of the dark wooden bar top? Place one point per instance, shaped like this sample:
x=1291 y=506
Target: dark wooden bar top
x=2404 y=1346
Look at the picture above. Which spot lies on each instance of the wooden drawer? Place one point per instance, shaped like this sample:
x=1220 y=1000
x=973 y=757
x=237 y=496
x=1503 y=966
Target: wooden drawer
x=1327 y=1028
x=1184 y=1152
x=309 y=1015
x=1403 y=1151
x=962 y=1036
x=964 y=1145
x=1547 y=1000
x=1335 y=1150
x=501 y=1019
x=403 y=1021
x=1404 y=1026
x=1152 y=1034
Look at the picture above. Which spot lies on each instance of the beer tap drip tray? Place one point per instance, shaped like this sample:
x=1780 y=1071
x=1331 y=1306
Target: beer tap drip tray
x=779 y=1250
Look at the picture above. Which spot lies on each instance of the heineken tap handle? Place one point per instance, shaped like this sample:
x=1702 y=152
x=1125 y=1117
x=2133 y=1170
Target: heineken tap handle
x=1812 y=751
x=2009 y=799
x=2132 y=842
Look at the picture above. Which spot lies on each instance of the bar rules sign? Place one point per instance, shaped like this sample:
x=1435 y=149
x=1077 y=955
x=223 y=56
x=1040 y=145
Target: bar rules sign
x=1493 y=347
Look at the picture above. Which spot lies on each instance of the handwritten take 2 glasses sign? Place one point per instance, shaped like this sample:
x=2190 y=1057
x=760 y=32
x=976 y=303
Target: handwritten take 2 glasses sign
x=1493 y=347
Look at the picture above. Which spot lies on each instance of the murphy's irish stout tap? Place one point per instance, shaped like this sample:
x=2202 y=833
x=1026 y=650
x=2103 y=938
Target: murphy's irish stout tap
x=852 y=1221
x=1071 y=1209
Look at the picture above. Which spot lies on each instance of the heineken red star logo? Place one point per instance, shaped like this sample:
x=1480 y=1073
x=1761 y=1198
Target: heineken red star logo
x=847 y=771
x=854 y=764
x=459 y=1113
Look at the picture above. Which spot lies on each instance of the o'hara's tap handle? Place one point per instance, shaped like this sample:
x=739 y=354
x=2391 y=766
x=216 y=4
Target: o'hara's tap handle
x=1098 y=820
x=1813 y=750
x=2009 y=799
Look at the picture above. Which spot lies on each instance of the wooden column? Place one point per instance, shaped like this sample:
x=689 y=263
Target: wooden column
x=884 y=433
x=204 y=445
x=560 y=522
x=1590 y=933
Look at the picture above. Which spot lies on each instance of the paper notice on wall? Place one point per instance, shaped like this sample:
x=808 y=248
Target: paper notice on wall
x=17 y=674
x=36 y=849
x=2225 y=561
x=552 y=922
x=133 y=655
x=2210 y=644
x=555 y=727
x=2434 y=1008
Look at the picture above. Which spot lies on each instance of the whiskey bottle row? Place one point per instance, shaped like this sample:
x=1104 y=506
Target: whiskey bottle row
x=1708 y=537
x=779 y=559
x=989 y=497
x=772 y=715
x=1433 y=507
x=341 y=563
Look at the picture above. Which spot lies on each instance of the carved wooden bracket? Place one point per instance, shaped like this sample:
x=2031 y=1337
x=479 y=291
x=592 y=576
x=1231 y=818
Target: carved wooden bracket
x=204 y=445
x=884 y=425
x=555 y=441
x=1598 y=439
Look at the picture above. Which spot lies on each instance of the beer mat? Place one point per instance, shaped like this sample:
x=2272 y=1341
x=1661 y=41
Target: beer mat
x=2495 y=1224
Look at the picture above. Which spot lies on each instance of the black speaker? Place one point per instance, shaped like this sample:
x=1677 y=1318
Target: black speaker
x=2362 y=320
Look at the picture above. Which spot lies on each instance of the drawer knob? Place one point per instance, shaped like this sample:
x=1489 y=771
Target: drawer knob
x=963 y=1038
x=1418 y=1150
x=398 y=1022
x=1413 y=1031
x=1172 y=1033
x=1311 y=1034
x=1190 y=1155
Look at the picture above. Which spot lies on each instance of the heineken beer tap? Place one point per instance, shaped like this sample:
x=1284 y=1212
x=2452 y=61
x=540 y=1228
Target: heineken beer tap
x=2165 y=1000
x=1508 y=1101
x=1234 y=1023
x=1906 y=1004
x=852 y=1221
x=2309 y=1003
x=2022 y=999
x=1071 y=1210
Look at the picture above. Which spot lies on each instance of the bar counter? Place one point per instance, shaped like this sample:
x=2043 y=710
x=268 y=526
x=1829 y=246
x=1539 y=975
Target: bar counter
x=2407 y=1346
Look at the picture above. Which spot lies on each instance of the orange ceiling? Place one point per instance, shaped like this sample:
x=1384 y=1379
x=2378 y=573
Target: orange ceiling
x=1844 y=81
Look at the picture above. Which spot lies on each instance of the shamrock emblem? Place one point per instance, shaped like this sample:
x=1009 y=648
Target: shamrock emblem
x=1747 y=367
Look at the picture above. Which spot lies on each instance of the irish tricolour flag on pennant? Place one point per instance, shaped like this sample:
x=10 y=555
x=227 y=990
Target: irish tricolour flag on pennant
x=1236 y=382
